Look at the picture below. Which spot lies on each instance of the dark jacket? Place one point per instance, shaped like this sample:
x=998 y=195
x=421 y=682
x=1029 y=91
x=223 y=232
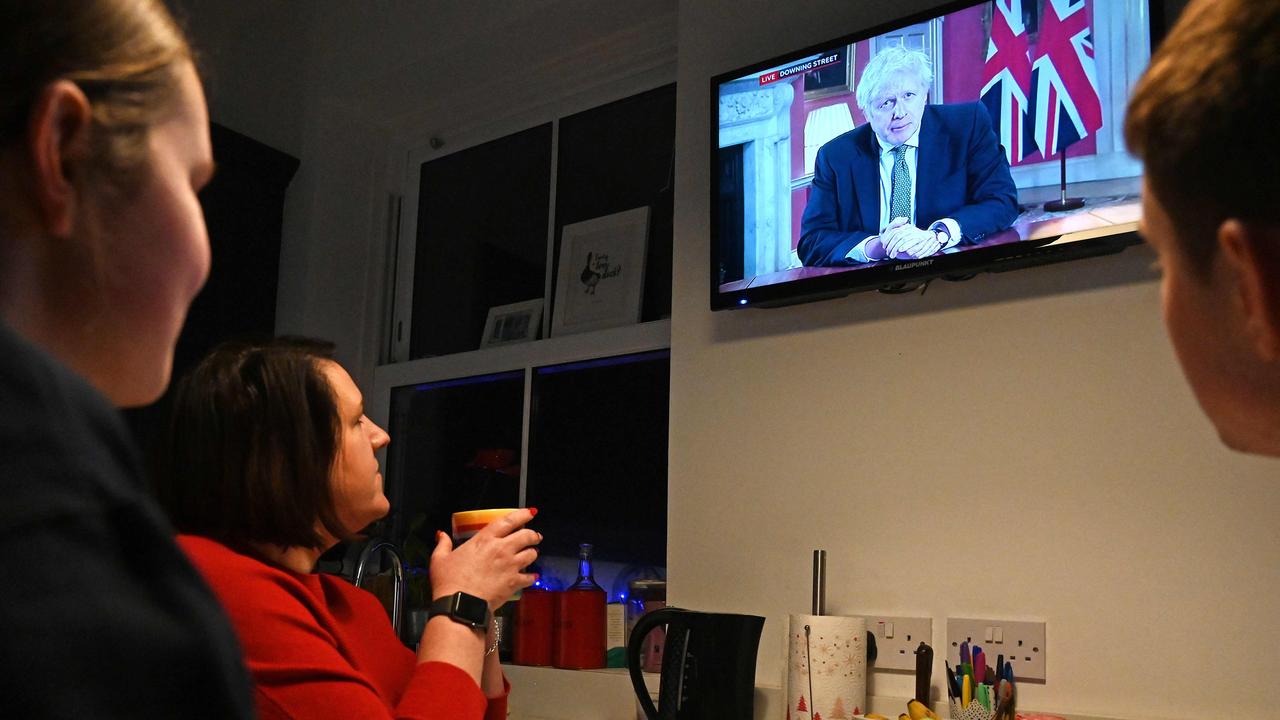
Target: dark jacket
x=962 y=174
x=101 y=615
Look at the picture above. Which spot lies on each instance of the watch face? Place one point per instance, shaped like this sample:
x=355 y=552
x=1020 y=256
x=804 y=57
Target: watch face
x=471 y=609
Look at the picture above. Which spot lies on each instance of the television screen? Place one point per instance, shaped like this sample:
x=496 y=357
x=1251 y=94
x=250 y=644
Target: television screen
x=935 y=145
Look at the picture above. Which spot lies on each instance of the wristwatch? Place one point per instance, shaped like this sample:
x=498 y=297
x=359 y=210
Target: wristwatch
x=941 y=234
x=462 y=608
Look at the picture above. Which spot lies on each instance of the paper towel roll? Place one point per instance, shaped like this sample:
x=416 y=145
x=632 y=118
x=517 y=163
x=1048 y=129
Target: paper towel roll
x=826 y=667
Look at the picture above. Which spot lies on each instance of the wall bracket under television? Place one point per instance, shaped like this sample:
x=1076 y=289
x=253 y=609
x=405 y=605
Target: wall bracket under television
x=980 y=110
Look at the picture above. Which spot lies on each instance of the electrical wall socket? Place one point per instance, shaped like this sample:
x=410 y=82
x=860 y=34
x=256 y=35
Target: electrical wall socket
x=897 y=639
x=1021 y=643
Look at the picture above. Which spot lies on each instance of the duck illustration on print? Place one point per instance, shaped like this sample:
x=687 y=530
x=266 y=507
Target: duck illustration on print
x=597 y=268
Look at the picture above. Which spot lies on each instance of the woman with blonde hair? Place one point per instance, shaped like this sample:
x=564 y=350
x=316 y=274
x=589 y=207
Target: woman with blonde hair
x=104 y=143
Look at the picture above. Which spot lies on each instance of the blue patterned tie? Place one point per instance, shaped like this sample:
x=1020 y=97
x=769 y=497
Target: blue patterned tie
x=900 y=197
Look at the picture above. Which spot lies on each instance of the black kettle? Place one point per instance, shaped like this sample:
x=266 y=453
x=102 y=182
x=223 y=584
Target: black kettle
x=708 y=665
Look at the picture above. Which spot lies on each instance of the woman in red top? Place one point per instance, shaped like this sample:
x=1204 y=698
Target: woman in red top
x=270 y=463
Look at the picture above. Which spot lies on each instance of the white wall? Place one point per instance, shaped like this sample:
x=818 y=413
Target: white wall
x=1018 y=446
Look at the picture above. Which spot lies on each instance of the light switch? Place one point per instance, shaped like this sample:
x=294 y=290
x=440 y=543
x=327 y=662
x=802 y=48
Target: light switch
x=986 y=634
x=888 y=630
x=999 y=635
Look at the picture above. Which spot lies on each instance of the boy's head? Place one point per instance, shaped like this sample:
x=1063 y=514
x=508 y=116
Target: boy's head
x=1204 y=120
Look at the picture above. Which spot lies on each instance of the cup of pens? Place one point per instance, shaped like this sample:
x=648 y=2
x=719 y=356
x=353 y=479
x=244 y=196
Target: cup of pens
x=978 y=691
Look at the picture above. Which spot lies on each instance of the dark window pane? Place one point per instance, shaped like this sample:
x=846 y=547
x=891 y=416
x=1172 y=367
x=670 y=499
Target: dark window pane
x=482 y=238
x=598 y=457
x=455 y=445
x=617 y=157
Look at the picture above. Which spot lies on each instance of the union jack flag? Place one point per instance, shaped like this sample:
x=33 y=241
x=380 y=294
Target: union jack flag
x=1006 y=79
x=1066 y=104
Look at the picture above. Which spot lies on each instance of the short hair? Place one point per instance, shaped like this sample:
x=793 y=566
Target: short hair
x=121 y=53
x=1202 y=119
x=252 y=440
x=887 y=63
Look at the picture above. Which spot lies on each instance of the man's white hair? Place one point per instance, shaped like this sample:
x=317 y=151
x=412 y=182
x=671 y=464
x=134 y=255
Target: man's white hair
x=884 y=66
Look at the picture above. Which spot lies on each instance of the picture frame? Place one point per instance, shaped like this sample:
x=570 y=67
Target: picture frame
x=600 y=278
x=511 y=324
x=832 y=80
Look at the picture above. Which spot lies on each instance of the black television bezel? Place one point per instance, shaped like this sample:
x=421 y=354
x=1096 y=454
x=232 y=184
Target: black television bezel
x=908 y=274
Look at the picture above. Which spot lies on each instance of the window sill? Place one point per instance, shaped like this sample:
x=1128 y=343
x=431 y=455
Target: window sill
x=655 y=335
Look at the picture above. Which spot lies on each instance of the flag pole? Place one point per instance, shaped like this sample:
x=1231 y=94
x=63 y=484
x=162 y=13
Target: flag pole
x=1064 y=202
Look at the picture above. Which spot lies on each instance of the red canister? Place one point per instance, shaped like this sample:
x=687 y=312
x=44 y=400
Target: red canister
x=579 y=629
x=535 y=613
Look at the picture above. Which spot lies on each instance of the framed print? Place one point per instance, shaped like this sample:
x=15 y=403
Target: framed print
x=830 y=80
x=600 y=280
x=514 y=323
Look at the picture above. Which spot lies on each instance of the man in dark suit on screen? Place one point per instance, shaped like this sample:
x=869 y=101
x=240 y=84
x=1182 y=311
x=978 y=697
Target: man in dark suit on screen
x=913 y=181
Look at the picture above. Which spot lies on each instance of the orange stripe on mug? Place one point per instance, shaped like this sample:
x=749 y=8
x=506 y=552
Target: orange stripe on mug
x=473 y=527
x=469 y=522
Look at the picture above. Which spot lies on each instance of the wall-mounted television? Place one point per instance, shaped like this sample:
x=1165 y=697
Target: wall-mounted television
x=932 y=146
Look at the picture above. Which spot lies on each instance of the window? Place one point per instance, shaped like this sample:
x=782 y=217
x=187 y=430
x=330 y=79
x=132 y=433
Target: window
x=455 y=445
x=573 y=425
x=598 y=457
x=482 y=238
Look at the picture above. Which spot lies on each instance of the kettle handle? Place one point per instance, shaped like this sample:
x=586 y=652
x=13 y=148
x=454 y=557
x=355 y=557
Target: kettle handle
x=647 y=622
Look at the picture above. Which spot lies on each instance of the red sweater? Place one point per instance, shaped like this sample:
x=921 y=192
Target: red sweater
x=317 y=647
